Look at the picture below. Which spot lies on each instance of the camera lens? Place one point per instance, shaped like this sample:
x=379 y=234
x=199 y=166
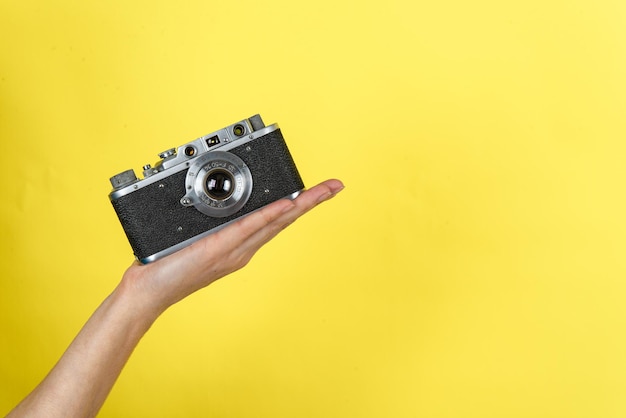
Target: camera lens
x=239 y=130
x=219 y=184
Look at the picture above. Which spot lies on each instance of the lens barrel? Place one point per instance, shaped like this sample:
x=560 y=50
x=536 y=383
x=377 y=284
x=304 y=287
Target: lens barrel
x=218 y=184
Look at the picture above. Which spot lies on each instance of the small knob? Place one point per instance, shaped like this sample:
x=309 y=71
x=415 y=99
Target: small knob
x=148 y=170
x=168 y=153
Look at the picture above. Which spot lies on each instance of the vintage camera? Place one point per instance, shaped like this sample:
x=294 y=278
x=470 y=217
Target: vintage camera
x=202 y=186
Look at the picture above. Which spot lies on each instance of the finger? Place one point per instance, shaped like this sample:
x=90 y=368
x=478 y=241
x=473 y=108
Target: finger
x=306 y=201
x=235 y=235
x=232 y=236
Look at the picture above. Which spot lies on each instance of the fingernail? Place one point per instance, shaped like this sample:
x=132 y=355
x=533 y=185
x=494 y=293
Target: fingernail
x=337 y=190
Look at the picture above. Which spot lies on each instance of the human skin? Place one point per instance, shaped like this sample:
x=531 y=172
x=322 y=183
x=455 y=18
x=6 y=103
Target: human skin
x=79 y=383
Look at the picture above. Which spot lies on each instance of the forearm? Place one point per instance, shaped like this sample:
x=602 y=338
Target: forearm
x=80 y=382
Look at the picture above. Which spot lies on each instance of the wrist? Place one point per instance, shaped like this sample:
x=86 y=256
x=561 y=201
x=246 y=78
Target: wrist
x=138 y=302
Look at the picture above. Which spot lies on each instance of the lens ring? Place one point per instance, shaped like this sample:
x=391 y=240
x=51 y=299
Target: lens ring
x=219 y=184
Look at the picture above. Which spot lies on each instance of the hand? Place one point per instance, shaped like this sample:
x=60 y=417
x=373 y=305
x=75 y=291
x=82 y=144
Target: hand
x=81 y=380
x=170 y=279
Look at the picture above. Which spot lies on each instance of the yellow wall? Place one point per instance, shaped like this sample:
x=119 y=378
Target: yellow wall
x=473 y=267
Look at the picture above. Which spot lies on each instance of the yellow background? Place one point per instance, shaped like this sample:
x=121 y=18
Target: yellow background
x=473 y=267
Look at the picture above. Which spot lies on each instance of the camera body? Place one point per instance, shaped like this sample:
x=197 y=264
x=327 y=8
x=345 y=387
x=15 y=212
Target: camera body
x=202 y=186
